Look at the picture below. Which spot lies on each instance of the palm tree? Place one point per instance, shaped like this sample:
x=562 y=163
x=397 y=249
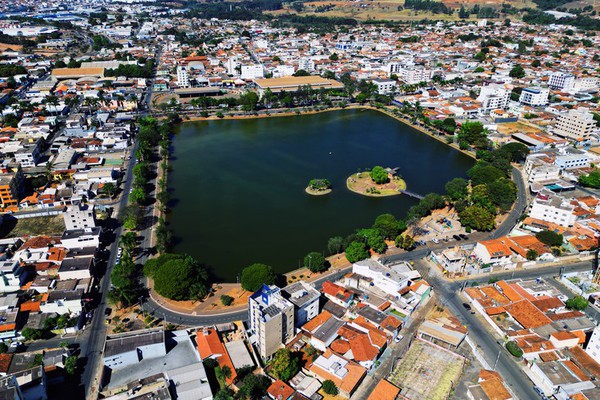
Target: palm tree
x=128 y=241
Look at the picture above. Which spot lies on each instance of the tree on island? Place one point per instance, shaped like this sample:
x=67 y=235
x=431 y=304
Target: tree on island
x=319 y=184
x=255 y=275
x=356 y=251
x=379 y=175
x=315 y=262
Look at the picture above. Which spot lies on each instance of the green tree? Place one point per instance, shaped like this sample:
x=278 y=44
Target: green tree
x=31 y=334
x=335 y=245
x=483 y=173
x=503 y=193
x=330 y=388
x=131 y=217
x=3 y=348
x=356 y=251
x=226 y=300
x=128 y=241
x=182 y=278
x=379 y=175
x=578 y=303
x=285 y=365
x=254 y=276
x=373 y=238
x=517 y=72
x=315 y=262
x=590 y=180
x=71 y=365
x=301 y=72
x=138 y=196
x=532 y=255
x=457 y=189
x=334 y=57
x=387 y=225
x=109 y=188
x=477 y=217
x=405 y=242
x=550 y=238
x=254 y=387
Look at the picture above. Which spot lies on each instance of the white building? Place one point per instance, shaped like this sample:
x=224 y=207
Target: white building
x=412 y=75
x=283 y=70
x=125 y=349
x=12 y=276
x=576 y=124
x=593 y=347
x=271 y=319
x=534 y=96
x=544 y=173
x=252 y=71
x=305 y=299
x=79 y=216
x=183 y=79
x=385 y=86
x=583 y=84
x=63 y=302
x=78 y=238
x=306 y=64
x=386 y=279
x=560 y=80
x=493 y=252
x=572 y=160
x=493 y=97
x=551 y=208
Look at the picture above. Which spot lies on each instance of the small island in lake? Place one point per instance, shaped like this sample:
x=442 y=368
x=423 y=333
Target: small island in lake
x=318 y=187
x=378 y=182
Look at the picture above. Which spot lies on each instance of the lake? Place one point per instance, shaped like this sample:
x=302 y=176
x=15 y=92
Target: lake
x=238 y=185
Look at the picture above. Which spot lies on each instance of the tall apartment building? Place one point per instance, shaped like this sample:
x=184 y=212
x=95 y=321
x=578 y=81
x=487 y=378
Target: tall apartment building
x=587 y=83
x=271 y=319
x=385 y=86
x=493 y=97
x=413 y=75
x=306 y=64
x=79 y=216
x=183 y=79
x=11 y=187
x=534 y=96
x=576 y=124
x=305 y=299
x=560 y=80
x=593 y=347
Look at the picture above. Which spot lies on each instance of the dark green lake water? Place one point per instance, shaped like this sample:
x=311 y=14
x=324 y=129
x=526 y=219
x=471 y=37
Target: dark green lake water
x=238 y=185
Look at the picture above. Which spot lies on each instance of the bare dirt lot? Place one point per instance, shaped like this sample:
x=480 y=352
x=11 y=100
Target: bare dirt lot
x=427 y=372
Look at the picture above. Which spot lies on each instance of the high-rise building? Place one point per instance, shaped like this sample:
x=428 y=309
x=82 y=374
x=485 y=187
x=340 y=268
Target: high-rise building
x=493 y=97
x=183 y=79
x=79 y=216
x=11 y=187
x=576 y=124
x=305 y=299
x=560 y=80
x=534 y=96
x=271 y=318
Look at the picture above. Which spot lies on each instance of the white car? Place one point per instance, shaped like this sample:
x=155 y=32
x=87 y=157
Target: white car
x=398 y=338
x=435 y=241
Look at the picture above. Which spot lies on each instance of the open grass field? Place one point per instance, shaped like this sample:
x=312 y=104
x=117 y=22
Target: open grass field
x=388 y=9
x=427 y=372
x=52 y=226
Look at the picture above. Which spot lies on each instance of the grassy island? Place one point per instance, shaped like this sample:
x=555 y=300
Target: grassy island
x=318 y=187
x=378 y=182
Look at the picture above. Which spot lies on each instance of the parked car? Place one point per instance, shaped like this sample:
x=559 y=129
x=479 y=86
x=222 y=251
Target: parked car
x=463 y=236
x=467 y=306
x=107 y=311
x=434 y=240
x=456 y=237
x=398 y=338
x=540 y=392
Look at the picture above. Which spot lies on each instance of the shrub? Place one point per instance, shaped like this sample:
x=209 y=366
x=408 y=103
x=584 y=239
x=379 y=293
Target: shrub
x=330 y=388
x=578 y=303
x=514 y=349
x=226 y=300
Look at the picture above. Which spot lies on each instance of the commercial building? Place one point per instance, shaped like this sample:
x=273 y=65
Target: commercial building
x=385 y=86
x=534 y=96
x=386 y=279
x=305 y=299
x=294 y=83
x=577 y=124
x=182 y=76
x=551 y=208
x=252 y=71
x=125 y=349
x=271 y=319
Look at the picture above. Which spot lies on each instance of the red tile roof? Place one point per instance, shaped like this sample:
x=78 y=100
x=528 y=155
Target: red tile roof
x=280 y=390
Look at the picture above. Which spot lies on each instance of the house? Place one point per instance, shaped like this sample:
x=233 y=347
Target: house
x=493 y=251
x=346 y=375
x=76 y=268
x=490 y=387
x=384 y=391
x=63 y=302
x=322 y=330
x=337 y=294
x=77 y=238
x=386 y=279
x=210 y=346
x=279 y=390
x=445 y=332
